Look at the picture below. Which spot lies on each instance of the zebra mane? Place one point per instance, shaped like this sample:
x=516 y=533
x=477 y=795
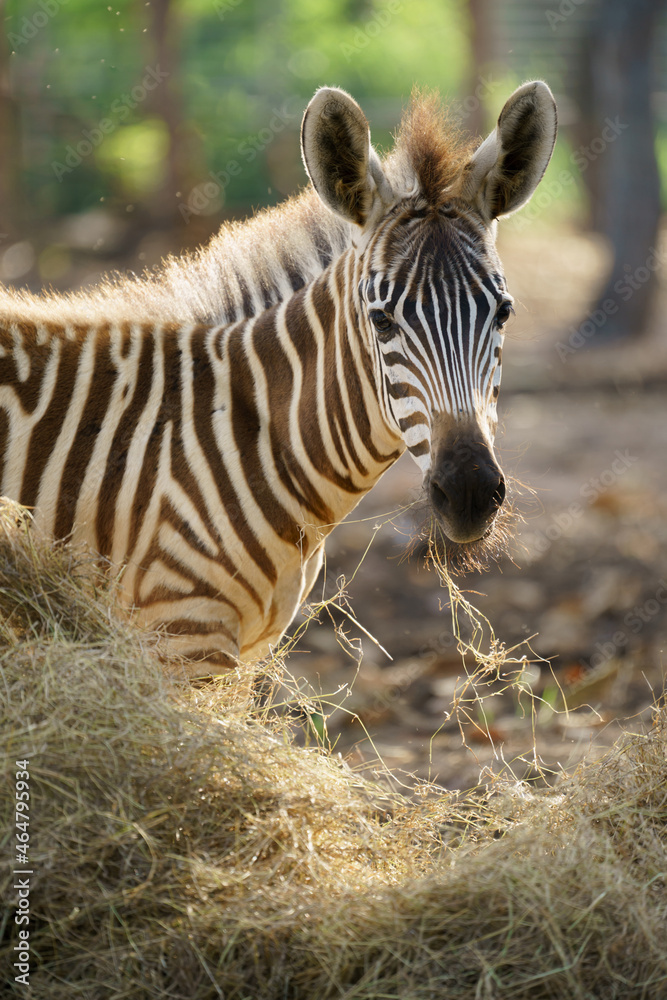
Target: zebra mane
x=431 y=150
x=247 y=267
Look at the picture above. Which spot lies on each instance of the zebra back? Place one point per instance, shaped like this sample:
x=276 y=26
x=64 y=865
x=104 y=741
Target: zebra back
x=246 y=268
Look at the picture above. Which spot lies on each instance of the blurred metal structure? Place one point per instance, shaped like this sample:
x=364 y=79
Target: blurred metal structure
x=603 y=58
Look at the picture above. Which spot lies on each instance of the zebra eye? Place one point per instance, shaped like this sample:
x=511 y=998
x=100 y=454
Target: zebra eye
x=381 y=322
x=504 y=313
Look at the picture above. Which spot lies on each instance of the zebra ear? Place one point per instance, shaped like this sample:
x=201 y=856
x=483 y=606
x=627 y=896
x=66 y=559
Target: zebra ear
x=505 y=170
x=336 y=148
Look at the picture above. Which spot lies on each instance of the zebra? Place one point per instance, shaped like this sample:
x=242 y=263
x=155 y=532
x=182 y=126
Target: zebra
x=210 y=460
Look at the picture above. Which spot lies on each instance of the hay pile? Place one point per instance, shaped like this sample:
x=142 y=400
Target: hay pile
x=183 y=848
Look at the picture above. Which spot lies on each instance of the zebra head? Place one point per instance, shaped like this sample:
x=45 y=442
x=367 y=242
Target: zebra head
x=429 y=292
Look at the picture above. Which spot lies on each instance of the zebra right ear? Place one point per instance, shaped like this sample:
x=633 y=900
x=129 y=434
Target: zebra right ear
x=505 y=170
x=336 y=148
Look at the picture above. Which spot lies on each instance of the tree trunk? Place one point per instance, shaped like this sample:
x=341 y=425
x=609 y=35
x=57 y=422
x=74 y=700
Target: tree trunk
x=167 y=103
x=618 y=162
x=482 y=44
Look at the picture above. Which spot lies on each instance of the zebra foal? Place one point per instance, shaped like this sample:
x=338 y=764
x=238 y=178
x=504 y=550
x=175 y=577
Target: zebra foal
x=212 y=461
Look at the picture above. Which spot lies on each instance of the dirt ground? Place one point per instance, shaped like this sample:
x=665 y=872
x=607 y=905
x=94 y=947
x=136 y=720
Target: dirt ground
x=583 y=594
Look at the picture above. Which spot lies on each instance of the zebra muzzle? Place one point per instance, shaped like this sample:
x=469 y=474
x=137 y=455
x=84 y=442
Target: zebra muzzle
x=466 y=489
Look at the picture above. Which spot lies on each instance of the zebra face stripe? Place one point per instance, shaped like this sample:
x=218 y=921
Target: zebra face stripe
x=436 y=316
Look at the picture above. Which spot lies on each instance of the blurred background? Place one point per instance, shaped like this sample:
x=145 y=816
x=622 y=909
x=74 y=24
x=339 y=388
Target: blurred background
x=131 y=130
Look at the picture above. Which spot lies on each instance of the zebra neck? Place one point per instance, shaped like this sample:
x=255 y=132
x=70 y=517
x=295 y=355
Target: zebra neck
x=297 y=403
x=251 y=266
x=336 y=400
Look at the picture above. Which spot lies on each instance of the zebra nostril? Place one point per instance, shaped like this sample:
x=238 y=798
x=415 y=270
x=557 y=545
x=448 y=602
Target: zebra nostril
x=439 y=497
x=498 y=495
x=467 y=497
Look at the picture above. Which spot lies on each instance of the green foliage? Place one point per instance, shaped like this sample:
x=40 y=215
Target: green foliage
x=216 y=128
x=142 y=149
x=236 y=64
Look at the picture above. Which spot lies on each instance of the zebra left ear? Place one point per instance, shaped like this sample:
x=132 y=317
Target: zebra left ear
x=336 y=148
x=505 y=170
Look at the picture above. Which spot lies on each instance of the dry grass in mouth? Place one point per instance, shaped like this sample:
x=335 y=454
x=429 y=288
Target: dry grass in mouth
x=182 y=847
x=469 y=557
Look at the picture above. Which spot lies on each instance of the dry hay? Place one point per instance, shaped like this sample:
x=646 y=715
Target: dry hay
x=182 y=847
